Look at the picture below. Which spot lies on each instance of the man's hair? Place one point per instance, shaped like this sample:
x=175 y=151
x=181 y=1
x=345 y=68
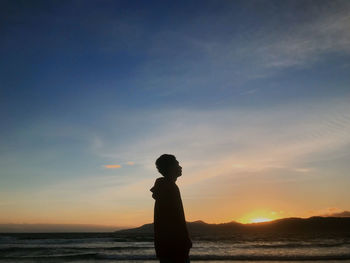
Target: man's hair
x=164 y=162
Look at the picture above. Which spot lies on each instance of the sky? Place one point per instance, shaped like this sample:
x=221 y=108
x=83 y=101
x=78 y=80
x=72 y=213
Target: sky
x=252 y=97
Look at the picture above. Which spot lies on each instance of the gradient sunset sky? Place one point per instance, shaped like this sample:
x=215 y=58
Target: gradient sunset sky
x=252 y=97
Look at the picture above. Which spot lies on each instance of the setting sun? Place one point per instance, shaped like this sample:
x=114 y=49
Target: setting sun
x=260 y=220
x=259 y=216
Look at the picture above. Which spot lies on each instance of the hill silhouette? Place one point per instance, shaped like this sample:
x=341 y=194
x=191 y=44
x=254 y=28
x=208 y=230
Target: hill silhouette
x=312 y=227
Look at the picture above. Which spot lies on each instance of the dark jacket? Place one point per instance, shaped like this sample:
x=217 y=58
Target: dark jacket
x=171 y=237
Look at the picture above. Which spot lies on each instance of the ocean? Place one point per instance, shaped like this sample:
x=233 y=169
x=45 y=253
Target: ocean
x=110 y=247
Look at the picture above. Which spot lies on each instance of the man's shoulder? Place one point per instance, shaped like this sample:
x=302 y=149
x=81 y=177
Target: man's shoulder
x=160 y=181
x=163 y=183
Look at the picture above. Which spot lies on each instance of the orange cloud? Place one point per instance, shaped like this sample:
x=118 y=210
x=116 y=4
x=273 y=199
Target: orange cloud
x=112 y=166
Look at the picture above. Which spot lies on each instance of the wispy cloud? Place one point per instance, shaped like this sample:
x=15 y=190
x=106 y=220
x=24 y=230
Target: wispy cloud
x=284 y=136
x=112 y=166
x=305 y=43
x=229 y=61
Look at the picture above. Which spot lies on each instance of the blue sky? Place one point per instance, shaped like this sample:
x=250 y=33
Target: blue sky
x=244 y=93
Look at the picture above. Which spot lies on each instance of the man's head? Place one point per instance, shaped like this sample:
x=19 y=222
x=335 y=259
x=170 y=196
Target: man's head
x=168 y=166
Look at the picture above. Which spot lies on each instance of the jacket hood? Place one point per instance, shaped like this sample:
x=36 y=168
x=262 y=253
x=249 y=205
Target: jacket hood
x=157 y=188
x=161 y=187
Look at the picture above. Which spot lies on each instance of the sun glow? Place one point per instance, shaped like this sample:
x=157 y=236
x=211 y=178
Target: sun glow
x=259 y=216
x=260 y=220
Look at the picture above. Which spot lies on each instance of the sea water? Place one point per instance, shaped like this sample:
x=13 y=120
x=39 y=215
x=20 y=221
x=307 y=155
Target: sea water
x=108 y=247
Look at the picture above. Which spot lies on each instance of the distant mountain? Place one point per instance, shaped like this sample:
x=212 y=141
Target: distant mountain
x=340 y=214
x=312 y=227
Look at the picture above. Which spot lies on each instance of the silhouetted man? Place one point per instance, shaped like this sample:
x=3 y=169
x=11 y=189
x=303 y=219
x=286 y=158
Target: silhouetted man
x=171 y=239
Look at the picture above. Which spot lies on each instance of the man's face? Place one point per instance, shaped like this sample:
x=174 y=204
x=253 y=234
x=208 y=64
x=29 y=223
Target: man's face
x=176 y=170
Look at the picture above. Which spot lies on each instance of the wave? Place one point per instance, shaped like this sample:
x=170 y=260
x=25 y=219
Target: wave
x=99 y=256
x=296 y=245
x=46 y=249
x=56 y=241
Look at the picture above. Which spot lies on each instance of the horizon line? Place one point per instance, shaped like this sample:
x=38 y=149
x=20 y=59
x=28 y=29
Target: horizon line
x=117 y=228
